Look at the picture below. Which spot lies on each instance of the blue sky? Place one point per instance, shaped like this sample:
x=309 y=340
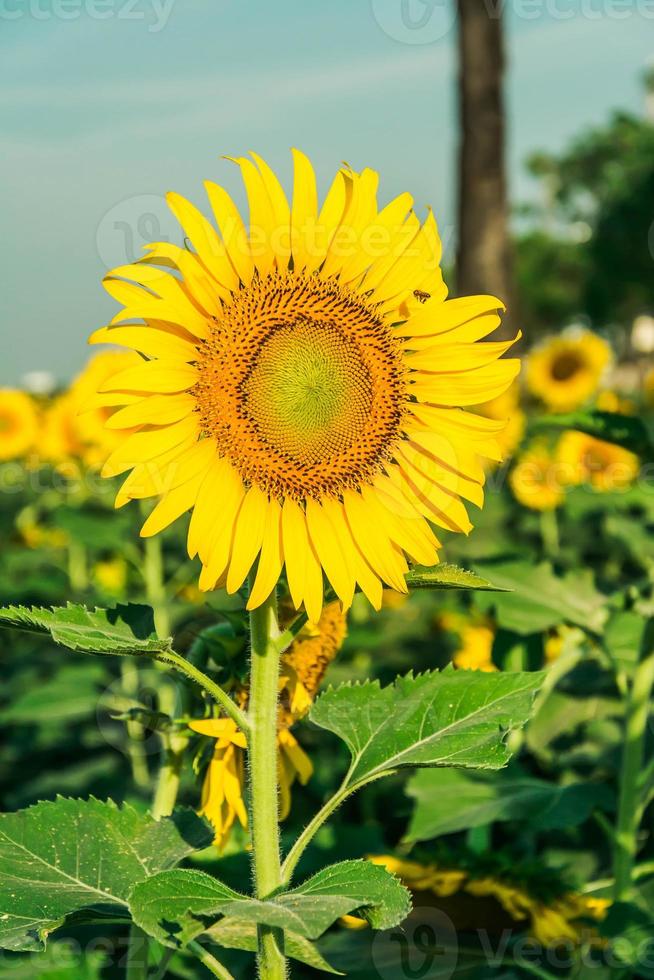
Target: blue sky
x=107 y=104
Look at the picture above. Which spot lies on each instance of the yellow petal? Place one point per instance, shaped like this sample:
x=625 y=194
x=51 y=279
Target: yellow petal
x=163 y=473
x=147 y=340
x=468 y=388
x=303 y=569
x=281 y=238
x=385 y=558
x=146 y=444
x=172 y=506
x=205 y=239
x=270 y=559
x=156 y=410
x=304 y=213
x=248 y=537
x=218 y=477
x=262 y=218
x=233 y=231
x=328 y=547
x=219 y=545
x=456 y=357
x=163 y=377
x=435 y=317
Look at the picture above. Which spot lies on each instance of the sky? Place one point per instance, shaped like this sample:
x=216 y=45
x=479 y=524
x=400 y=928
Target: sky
x=105 y=105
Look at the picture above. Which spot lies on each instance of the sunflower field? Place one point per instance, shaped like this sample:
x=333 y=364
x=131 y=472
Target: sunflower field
x=328 y=637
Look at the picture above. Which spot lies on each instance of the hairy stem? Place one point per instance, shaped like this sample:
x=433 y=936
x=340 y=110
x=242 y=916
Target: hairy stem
x=262 y=756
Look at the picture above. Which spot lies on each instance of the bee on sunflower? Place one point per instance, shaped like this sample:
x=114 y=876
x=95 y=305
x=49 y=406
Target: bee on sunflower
x=564 y=372
x=305 y=388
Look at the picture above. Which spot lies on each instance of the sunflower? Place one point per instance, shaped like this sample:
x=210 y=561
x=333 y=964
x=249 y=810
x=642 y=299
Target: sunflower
x=535 y=479
x=303 y=668
x=72 y=431
x=475 y=638
x=303 y=388
x=19 y=423
x=602 y=465
x=563 y=918
x=565 y=371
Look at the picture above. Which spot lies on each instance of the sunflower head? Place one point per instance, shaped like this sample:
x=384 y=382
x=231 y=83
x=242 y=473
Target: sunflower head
x=304 y=387
x=19 y=423
x=564 y=372
x=602 y=465
x=535 y=479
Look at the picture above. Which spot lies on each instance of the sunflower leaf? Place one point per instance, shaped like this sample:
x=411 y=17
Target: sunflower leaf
x=81 y=856
x=627 y=431
x=541 y=599
x=176 y=906
x=241 y=934
x=442 y=718
x=124 y=629
x=445 y=576
x=450 y=800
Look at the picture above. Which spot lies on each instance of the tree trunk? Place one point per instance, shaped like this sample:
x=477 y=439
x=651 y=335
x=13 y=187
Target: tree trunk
x=484 y=256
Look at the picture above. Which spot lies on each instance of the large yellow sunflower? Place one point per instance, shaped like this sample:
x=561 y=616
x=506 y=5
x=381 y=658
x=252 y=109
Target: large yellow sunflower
x=18 y=423
x=565 y=371
x=304 y=386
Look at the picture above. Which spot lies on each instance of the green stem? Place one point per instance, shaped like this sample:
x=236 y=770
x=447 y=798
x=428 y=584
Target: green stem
x=78 y=571
x=155 y=587
x=346 y=789
x=309 y=832
x=211 y=963
x=129 y=674
x=262 y=757
x=629 y=806
x=549 y=532
x=214 y=690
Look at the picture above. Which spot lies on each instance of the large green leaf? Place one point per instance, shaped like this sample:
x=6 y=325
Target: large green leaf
x=70 y=855
x=449 y=800
x=241 y=934
x=539 y=599
x=125 y=629
x=441 y=718
x=446 y=576
x=627 y=431
x=176 y=906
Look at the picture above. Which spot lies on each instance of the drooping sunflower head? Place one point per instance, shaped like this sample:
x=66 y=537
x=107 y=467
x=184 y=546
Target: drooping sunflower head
x=603 y=465
x=564 y=372
x=304 y=386
x=18 y=423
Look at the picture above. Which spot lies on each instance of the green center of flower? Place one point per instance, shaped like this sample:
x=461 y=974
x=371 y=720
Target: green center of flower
x=308 y=392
